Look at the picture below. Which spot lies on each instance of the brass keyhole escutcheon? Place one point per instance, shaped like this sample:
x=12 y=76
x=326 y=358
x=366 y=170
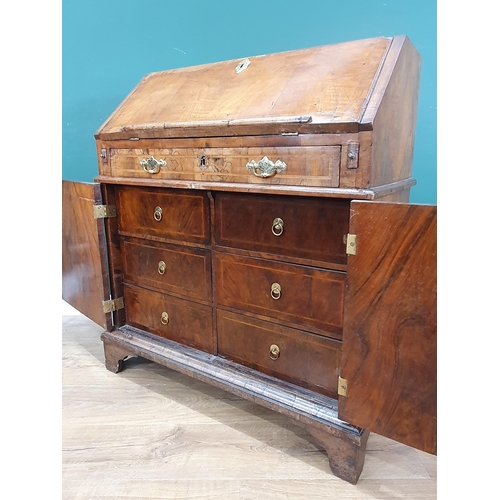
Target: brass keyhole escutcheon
x=162 y=267
x=274 y=352
x=275 y=291
x=164 y=318
x=278 y=226
x=158 y=213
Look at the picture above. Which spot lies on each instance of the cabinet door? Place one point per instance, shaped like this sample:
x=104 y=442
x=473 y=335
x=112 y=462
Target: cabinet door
x=85 y=282
x=388 y=364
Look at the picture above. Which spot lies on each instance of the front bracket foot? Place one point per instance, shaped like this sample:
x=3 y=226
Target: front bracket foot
x=114 y=356
x=345 y=454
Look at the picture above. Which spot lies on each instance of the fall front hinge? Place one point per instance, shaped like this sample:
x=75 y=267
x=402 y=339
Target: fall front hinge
x=113 y=305
x=342 y=387
x=104 y=211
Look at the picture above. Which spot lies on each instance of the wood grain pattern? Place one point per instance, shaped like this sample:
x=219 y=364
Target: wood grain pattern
x=152 y=432
x=394 y=121
x=390 y=337
x=233 y=142
x=184 y=216
x=189 y=323
x=187 y=270
x=84 y=274
x=276 y=189
x=309 y=298
x=310 y=87
x=313 y=229
x=307 y=360
x=305 y=165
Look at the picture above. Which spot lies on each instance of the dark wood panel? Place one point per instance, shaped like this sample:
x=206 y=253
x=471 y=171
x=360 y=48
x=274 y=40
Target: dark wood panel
x=184 y=214
x=309 y=298
x=184 y=271
x=390 y=333
x=312 y=228
x=304 y=359
x=188 y=323
x=84 y=273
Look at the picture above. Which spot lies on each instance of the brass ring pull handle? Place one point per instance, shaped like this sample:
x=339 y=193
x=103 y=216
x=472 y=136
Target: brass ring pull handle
x=265 y=167
x=161 y=267
x=277 y=228
x=151 y=165
x=274 y=352
x=275 y=291
x=157 y=214
x=164 y=318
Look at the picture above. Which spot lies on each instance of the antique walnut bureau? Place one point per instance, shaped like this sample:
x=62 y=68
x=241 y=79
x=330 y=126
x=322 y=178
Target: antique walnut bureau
x=250 y=227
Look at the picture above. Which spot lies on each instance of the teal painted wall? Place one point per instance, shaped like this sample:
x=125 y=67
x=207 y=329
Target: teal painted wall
x=109 y=45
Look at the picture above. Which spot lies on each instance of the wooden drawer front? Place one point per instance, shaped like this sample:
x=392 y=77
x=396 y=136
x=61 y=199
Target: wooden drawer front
x=308 y=298
x=304 y=359
x=188 y=323
x=169 y=268
x=172 y=214
x=305 y=165
x=312 y=228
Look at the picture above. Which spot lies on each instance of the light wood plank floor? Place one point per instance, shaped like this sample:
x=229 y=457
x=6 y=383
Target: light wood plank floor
x=151 y=433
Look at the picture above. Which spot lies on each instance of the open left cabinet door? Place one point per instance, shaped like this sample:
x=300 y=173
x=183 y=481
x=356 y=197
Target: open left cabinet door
x=85 y=283
x=389 y=364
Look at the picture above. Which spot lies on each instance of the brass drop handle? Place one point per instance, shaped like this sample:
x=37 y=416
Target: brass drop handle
x=265 y=167
x=161 y=267
x=157 y=214
x=275 y=291
x=277 y=227
x=164 y=318
x=151 y=165
x=274 y=352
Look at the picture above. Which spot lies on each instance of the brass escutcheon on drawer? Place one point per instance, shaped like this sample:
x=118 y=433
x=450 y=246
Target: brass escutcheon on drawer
x=164 y=318
x=274 y=352
x=275 y=291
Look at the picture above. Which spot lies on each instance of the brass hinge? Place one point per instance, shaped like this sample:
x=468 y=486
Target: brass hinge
x=104 y=211
x=112 y=305
x=342 y=387
x=351 y=244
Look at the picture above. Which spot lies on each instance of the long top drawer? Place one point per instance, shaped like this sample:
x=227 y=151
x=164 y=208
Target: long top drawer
x=294 y=166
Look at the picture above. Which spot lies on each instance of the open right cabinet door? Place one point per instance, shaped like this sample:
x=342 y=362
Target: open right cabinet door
x=389 y=363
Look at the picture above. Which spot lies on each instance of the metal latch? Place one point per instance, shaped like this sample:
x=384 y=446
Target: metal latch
x=351 y=244
x=352 y=155
x=104 y=211
x=113 y=305
x=342 y=387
